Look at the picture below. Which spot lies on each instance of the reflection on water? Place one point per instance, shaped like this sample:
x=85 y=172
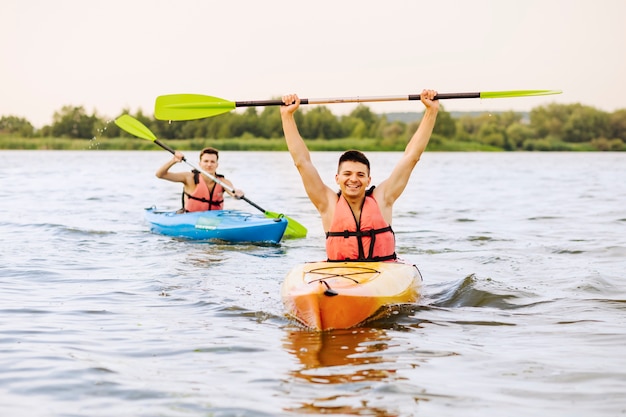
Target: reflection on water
x=338 y=347
x=351 y=358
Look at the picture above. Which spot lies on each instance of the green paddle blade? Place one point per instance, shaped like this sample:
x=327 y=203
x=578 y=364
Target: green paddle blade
x=294 y=229
x=198 y=106
x=518 y=93
x=190 y=106
x=134 y=127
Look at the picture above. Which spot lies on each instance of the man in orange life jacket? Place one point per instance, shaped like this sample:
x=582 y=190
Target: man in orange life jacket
x=357 y=220
x=200 y=193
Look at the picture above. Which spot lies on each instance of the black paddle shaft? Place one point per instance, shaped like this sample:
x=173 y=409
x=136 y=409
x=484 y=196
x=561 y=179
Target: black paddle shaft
x=275 y=102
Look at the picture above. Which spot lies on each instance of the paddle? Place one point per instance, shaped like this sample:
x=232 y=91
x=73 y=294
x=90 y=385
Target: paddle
x=136 y=128
x=197 y=106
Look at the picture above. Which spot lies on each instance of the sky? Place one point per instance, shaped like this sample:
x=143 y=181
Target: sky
x=114 y=55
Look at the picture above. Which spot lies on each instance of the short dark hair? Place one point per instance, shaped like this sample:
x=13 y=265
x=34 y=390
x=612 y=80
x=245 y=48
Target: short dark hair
x=354 y=156
x=210 y=150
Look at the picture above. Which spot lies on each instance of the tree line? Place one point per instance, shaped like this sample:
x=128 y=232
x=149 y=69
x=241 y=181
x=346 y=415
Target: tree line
x=551 y=127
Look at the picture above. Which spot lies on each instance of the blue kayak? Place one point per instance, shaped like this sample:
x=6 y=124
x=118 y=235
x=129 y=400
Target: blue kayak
x=219 y=225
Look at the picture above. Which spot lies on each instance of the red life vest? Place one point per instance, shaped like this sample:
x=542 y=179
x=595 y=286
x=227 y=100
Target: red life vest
x=202 y=199
x=373 y=240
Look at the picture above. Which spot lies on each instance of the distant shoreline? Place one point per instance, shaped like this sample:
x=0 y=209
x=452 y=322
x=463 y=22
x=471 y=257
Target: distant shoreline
x=437 y=144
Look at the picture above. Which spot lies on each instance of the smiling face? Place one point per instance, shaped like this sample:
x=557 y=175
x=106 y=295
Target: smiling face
x=353 y=178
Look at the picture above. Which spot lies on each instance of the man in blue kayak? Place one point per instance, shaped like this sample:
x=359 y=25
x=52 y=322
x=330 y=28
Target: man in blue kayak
x=357 y=220
x=200 y=192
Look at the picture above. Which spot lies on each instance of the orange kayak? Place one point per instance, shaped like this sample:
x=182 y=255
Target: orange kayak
x=340 y=295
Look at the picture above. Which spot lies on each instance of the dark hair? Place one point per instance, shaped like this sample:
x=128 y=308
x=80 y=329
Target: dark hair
x=210 y=150
x=354 y=156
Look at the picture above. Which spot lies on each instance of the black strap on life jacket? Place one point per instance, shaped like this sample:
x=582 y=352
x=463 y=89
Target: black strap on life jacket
x=359 y=236
x=210 y=202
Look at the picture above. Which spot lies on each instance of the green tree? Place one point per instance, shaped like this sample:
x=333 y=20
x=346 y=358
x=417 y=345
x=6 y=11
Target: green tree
x=491 y=131
x=107 y=128
x=586 y=123
x=356 y=127
x=210 y=127
x=393 y=134
x=508 y=118
x=379 y=128
x=13 y=125
x=192 y=130
x=492 y=135
x=604 y=144
x=549 y=120
x=320 y=123
x=248 y=122
x=74 y=122
x=517 y=134
x=223 y=125
x=445 y=126
x=166 y=129
x=466 y=128
x=617 y=124
x=363 y=121
x=270 y=124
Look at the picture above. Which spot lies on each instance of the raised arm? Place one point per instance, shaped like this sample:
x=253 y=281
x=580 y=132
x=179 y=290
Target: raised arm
x=390 y=189
x=318 y=192
x=164 y=171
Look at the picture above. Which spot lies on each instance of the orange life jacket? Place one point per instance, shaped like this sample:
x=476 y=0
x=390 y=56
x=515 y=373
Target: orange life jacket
x=372 y=240
x=202 y=199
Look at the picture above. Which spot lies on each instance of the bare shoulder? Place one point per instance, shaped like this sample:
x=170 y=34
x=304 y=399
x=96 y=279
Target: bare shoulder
x=187 y=177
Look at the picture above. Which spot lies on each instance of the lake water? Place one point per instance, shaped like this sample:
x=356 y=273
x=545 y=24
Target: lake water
x=523 y=312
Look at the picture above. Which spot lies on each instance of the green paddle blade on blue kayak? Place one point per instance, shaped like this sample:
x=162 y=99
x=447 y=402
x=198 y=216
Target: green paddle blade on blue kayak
x=294 y=229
